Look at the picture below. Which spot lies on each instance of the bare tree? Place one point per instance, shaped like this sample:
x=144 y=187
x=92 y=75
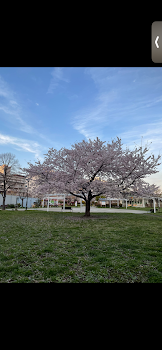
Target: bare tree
x=9 y=168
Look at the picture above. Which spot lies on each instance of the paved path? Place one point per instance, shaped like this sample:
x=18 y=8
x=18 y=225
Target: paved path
x=93 y=210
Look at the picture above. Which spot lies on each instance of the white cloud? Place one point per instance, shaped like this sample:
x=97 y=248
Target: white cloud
x=117 y=98
x=90 y=122
x=25 y=127
x=23 y=145
x=8 y=103
x=143 y=76
x=13 y=103
x=57 y=76
x=57 y=73
x=11 y=107
x=5 y=91
x=149 y=132
x=8 y=110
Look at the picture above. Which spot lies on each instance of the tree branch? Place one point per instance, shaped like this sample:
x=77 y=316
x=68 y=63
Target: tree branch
x=95 y=195
x=93 y=177
x=76 y=195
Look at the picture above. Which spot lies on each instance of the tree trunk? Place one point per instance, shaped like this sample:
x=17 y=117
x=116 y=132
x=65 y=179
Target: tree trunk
x=3 y=202
x=22 y=202
x=87 y=212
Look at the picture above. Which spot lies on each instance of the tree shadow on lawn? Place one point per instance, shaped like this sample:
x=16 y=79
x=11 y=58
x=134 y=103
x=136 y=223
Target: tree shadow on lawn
x=91 y=217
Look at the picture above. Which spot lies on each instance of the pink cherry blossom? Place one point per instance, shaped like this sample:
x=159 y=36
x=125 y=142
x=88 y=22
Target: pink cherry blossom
x=92 y=168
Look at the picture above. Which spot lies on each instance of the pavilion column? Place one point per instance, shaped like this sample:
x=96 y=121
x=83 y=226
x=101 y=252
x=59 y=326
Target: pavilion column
x=154 y=205
x=110 y=202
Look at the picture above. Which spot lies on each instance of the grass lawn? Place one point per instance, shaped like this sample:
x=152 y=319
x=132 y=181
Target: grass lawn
x=159 y=211
x=41 y=247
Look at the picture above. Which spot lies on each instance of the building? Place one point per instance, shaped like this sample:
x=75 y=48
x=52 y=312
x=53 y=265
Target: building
x=18 y=192
x=17 y=181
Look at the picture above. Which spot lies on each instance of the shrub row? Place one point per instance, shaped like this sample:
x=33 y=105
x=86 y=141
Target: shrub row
x=8 y=206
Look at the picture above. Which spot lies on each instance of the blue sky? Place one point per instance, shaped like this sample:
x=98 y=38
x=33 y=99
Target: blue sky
x=56 y=107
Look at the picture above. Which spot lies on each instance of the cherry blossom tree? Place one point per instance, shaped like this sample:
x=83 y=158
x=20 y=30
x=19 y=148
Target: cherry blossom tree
x=92 y=168
x=143 y=189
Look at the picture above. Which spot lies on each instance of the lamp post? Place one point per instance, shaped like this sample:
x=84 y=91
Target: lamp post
x=27 y=193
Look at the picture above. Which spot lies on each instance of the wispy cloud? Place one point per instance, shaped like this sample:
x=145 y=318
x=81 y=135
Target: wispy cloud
x=25 y=145
x=14 y=104
x=147 y=134
x=103 y=76
x=90 y=122
x=8 y=110
x=118 y=99
x=57 y=77
x=8 y=103
x=10 y=106
x=5 y=91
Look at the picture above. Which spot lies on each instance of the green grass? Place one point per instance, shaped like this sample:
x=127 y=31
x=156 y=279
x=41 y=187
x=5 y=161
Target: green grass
x=136 y=208
x=43 y=247
x=140 y=208
x=159 y=210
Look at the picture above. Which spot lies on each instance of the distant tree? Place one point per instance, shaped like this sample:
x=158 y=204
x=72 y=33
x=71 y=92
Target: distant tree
x=90 y=169
x=9 y=166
